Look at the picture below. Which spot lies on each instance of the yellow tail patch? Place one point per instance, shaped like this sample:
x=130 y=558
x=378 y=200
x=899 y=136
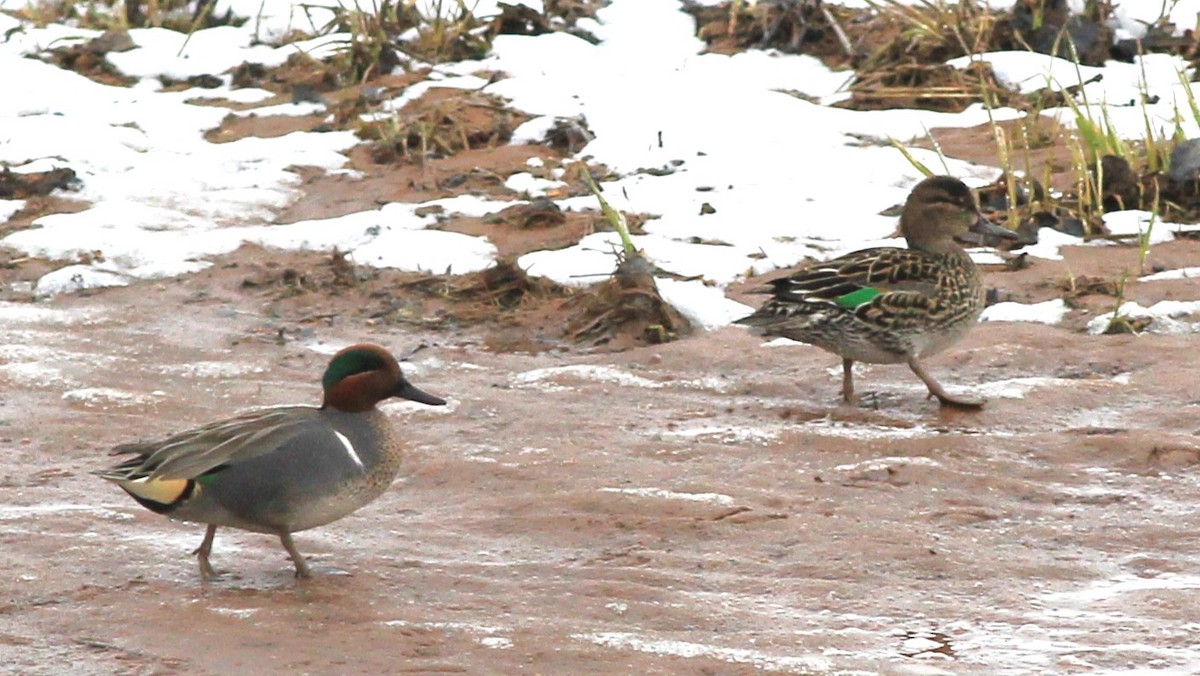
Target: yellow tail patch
x=161 y=491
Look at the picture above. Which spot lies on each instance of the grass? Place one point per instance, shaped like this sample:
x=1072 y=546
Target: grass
x=369 y=51
x=441 y=123
x=446 y=30
x=1108 y=172
x=615 y=218
x=185 y=16
x=449 y=35
x=1119 y=323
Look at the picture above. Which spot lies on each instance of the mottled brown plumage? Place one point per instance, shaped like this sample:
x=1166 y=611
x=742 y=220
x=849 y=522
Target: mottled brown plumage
x=889 y=305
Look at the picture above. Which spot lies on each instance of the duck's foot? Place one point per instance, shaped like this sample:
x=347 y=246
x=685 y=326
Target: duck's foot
x=936 y=390
x=849 y=397
x=303 y=572
x=966 y=403
x=207 y=572
x=869 y=400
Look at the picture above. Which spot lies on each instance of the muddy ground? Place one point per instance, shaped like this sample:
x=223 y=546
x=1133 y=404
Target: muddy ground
x=704 y=506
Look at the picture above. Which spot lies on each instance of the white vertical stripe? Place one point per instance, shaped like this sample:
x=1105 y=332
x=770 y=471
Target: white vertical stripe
x=350 y=449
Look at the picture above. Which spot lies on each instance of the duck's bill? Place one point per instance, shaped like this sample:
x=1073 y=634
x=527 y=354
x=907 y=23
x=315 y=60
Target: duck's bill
x=989 y=229
x=406 y=390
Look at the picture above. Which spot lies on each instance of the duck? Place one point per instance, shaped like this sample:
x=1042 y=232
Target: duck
x=890 y=305
x=279 y=470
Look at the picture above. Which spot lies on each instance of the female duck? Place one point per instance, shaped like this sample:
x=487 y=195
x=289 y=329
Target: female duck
x=888 y=305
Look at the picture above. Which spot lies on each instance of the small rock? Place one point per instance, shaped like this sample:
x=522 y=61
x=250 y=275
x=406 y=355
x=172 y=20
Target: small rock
x=1185 y=161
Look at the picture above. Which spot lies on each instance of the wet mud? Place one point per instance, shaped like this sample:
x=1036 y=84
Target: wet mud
x=702 y=506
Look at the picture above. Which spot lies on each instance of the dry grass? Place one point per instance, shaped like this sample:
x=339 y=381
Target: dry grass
x=443 y=122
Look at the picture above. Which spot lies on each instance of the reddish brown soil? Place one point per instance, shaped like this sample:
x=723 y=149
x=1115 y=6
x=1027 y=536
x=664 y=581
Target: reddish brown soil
x=1041 y=148
x=525 y=533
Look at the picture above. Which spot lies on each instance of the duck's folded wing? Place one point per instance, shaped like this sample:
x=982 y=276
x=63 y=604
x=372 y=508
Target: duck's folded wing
x=899 y=311
x=190 y=454
x=859 y=278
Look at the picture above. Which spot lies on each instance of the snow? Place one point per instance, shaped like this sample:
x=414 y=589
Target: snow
x=704 y=306
x=1140 y=224
x=1048 y=312
x=544 y=378
x=665 y=494
x=758 y=659
x=10 y=207
x=725 y=131
x=531 y=185
x=1049 y=242
x=1129 y=96
x=1179 y=273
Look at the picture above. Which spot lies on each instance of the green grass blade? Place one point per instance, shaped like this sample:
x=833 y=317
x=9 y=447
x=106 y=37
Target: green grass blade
x=911 y=160
x=615 y=218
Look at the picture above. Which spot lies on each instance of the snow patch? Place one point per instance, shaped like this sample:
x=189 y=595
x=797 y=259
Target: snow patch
x=1048 y=312
x=715 y=498
x=1166 y=317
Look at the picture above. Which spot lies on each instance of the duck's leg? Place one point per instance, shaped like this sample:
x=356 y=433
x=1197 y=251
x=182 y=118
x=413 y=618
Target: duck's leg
x=202 y=552
x=302 y=570
x=848 y=381
x=935 y=389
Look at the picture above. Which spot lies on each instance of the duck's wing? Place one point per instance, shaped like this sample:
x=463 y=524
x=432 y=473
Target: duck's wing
x=190 y=454
x=874 y=285
x=861 y=277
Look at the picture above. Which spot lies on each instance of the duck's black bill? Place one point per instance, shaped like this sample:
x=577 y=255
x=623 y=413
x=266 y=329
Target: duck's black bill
x=406 y=390
x=989 y=229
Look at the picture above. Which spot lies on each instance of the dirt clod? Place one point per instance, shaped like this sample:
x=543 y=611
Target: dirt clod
x=441 y=123
x=626 y=310
x=14 y=186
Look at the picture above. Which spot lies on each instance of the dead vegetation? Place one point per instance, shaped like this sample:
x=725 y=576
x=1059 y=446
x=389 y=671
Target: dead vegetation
x=898 y=51
x=384 y=37
x=522 y=313
x=14 y=186
x=88 y=58
x=441 y=123
x=400 y=34
x=625 y=310
x=184 y=16
x=305 y=286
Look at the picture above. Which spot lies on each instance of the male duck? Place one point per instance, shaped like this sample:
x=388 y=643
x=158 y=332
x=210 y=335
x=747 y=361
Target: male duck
x=279 y=470
x=887 y=305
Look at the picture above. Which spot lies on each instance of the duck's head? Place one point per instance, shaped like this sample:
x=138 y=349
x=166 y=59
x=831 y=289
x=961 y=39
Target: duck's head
x=360 y=376
x=941 y=210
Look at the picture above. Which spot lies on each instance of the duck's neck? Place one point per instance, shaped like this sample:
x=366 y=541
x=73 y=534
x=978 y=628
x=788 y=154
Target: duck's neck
x=939 y=247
